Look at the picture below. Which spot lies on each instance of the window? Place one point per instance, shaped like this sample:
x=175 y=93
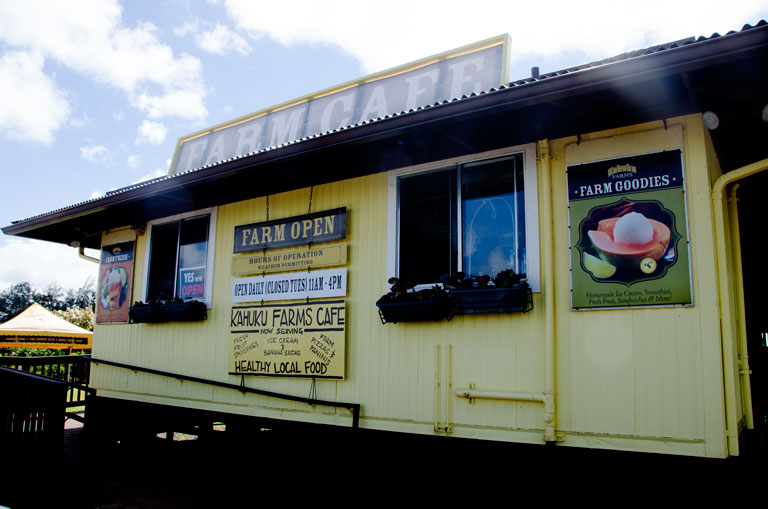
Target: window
x=476 y=215
x=180 y=258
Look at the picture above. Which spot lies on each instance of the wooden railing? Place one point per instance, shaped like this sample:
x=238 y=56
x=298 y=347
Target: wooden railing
x=73 y=370
x=32 y=410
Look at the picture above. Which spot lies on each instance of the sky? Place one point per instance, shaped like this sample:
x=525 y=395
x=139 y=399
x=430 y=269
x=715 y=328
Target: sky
x=94 y=94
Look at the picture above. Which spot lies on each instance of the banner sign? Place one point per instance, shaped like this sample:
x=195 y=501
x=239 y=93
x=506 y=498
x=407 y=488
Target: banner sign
x=628 y=232
x=294 y=259
x=292 y=231
x=44 y=342
x=478 y=67
x=295 y=340
x=115 y=278
x=296 y=285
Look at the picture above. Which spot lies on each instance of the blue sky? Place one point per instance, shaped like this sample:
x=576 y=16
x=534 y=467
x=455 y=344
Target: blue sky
x=94 y=94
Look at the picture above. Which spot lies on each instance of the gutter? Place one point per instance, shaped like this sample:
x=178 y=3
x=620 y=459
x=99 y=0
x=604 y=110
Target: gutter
x=723 y=242
x=547 y=226
x=81 y=253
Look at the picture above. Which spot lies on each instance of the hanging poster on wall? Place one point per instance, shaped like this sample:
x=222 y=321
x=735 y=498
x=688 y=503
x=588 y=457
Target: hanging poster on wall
x=629 y=233
x=294 y=340
x=114 y=287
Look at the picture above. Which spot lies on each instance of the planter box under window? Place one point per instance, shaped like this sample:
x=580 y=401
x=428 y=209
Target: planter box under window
x=186 y=312
x=415 y=311
x=517 y=299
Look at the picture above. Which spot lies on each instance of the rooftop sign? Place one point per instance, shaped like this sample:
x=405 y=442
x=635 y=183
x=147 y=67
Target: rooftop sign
x=449 y=75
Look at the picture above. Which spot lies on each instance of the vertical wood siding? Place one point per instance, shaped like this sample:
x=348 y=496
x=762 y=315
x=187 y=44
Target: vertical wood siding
x=620 y=373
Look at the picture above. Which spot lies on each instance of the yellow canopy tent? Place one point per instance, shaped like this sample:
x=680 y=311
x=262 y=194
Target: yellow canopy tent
x=36 y=327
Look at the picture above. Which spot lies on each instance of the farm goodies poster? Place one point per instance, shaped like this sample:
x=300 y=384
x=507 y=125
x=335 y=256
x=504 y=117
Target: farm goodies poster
x=629 y=233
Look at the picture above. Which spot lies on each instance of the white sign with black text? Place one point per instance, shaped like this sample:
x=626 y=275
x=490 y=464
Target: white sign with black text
x=295 y=285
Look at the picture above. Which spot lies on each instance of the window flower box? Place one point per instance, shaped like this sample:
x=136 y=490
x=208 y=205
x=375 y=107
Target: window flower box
x=404 y=304
x=430 y=310
x=191 y=311
x=516 y=299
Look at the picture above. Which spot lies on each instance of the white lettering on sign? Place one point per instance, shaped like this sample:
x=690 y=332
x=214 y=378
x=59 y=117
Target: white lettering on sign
x=248 y=138
x=217 y=150
x=285 y=125
x=342 y=104
x=421 y=88
x=446 y=78
x=376 y=105
x=462 y=77
x=194 y=153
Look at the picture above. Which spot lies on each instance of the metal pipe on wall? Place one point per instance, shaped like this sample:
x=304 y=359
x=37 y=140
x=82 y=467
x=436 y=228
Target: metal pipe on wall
x=733 y=213
x=548 y=291
x=721 y=243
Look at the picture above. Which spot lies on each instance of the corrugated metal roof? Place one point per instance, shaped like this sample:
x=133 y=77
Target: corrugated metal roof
x=526 y=82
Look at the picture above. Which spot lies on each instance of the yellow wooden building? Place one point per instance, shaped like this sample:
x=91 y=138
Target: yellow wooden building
x=288 y=223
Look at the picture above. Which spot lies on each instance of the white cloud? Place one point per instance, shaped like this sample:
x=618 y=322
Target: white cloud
x=42 y=263
x=33 y=108
x=383 y=33
x=96 y=154
x=80 y=121
x=133 y=160
x=191 y=27
x=219 y=39
x=151 y=132
x=95 y=194
x=222 y=40
x=88 y=37
x=160 y=172
x=181 y=103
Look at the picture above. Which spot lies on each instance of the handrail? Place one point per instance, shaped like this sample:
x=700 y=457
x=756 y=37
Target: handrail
x=353 y=407
x=48 y=367
x=50 y=359
x=32 y=376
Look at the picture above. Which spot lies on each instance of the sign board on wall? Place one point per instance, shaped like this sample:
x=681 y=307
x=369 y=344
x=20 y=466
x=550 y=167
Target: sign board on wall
x=294 y=340
x=317 y=227
x=292 y=259
x=629 y=232
x=115 y=278
x=295 y=285
x=474 y=68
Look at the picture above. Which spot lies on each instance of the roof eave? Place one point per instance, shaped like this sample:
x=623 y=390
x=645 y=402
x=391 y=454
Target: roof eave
x=678 y=60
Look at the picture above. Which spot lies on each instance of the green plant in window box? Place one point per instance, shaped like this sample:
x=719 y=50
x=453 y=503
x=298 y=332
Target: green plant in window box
x=505 y=293
x=404 y=303
x=176 y=310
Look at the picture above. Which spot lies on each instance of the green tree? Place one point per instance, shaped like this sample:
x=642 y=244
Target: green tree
x=74 y=305
x=14 y=300
x=18 y=297
x=82 y=317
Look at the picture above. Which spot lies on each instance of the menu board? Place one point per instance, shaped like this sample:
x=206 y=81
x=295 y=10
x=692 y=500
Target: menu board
x=294 y=340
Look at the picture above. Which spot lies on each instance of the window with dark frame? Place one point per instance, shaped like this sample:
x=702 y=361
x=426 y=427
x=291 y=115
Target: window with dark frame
x=469 y=217
x=178 y=260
